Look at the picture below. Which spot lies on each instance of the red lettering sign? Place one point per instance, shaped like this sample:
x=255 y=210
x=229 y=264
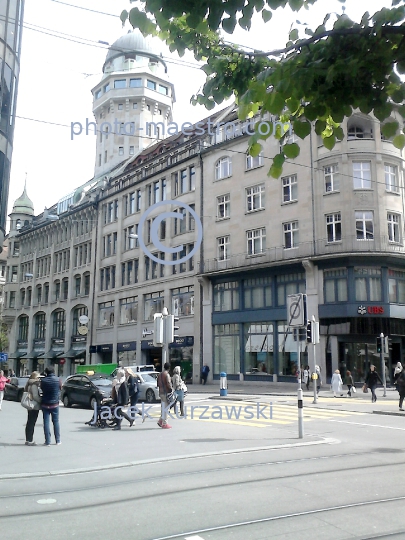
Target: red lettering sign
x=375 y=310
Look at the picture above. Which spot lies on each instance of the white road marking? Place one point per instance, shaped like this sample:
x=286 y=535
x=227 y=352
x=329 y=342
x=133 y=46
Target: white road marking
x=367 y=425
x=46 y=501
x=194 y=538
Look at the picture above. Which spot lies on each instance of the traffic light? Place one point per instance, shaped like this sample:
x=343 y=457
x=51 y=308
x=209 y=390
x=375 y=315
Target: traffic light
x=387 y=344
x=170 y=328
x=158 y=330
x=379 y=345
x=313 y=332
x=309 y=332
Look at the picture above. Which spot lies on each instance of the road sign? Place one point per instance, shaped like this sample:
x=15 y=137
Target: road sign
x=82 y=330
x=83 y=319
x=3 y=357
x=296 y=310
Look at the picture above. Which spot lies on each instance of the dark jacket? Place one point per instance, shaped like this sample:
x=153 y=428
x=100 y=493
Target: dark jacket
x=132 y=385
x=50 y=387
x=400 y=382
x=121 y=397
x=373 y=379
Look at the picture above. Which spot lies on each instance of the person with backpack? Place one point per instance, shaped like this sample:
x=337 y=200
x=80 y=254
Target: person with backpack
x=120 y=397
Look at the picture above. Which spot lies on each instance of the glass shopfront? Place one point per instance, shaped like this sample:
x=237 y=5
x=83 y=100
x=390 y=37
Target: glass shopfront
x=258 y=348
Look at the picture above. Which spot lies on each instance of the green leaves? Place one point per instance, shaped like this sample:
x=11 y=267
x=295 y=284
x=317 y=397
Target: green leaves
x=291 y=150
x=277 y=167
x=302 y=129
x=389 y=129
x=399 y=141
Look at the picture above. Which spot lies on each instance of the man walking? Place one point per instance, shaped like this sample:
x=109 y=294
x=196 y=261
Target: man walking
x=165 y=387
x=204 y=373
x=50 y=386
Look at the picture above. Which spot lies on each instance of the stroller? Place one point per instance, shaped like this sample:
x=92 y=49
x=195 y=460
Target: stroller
x=99 y=422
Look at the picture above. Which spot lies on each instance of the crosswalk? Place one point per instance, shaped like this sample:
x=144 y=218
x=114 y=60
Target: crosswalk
x=259 y=414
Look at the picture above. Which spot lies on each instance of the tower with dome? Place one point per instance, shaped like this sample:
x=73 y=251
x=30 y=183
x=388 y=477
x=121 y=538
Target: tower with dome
x=133 y=102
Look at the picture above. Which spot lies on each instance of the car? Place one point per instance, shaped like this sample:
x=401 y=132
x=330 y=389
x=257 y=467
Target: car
x=137 y=369
x=148 y=390
x=86 y=389
x=14 y=390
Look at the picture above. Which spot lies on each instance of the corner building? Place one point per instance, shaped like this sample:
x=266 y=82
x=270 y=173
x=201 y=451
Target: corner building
x=332 y=226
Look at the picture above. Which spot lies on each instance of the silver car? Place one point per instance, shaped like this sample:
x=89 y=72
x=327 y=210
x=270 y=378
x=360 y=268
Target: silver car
x=148 y=389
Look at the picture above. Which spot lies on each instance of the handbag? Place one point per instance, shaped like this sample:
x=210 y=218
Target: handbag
x=171 y=398
x=353 y=389
x=27 y=402
x=365 y=389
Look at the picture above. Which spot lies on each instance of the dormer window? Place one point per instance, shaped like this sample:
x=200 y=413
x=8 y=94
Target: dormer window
x=355 y=132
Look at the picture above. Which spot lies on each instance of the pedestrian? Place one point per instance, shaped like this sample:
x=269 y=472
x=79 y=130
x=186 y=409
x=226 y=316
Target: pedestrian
x=336 y=383
x=12 y=373
x=397 y=372
x=306 y=377
x=349 y=383
x=371 y=382
x=133 y=391
x=165 y=387
x=177 y=384
x=319 y=378
x=120 y=397
x=3 y=381
x=33 y=388
x=204 y=373
x=50 y=386
x=399 y=381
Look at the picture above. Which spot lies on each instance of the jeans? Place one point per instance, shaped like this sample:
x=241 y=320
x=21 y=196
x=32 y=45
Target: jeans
x=30 y=426
x=349 y=387
x=1 y=397
x=373 y=396
x=55 y=421
x=401 y=398
x=164 y=405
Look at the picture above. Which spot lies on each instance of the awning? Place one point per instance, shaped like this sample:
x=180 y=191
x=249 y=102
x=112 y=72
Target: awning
x=75 y=353
x=53 y=354
x=17 y=354
x=36 y=354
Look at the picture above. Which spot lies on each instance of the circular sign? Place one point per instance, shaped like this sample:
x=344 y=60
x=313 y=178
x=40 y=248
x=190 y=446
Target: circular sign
x=62 y=361
x=82 y=330
x=83 y=319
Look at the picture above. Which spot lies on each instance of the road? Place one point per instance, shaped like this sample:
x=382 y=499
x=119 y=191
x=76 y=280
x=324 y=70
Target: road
x=215 y=478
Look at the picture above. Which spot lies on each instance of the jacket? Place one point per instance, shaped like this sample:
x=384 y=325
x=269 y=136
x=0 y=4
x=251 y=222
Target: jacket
x=121 y=396
x=372 y=379
x=50 y=387
x=132 y=383
x=177 y=382
x=3 y=381
x=32 y=387
x=349 y=380
x=400 y=382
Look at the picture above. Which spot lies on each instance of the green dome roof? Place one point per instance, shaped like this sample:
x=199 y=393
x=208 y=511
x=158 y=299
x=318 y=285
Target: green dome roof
x=23 y=205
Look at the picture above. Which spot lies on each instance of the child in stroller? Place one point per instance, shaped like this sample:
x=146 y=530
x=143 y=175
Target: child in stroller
x=96 y=420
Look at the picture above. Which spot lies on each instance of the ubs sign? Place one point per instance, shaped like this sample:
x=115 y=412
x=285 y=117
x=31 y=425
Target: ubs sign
x=370 y=310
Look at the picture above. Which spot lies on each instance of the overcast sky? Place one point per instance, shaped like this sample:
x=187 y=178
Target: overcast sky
x=57 y=76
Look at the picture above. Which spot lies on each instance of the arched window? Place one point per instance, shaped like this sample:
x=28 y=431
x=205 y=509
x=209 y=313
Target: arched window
x=39 y=325
x=59 y=324
x=65 y=288
x=56 y=290
x=223 y=168
x=39 y=294
x=23 y=328
x=77 y=313
x=22 y=297
x=359 y=127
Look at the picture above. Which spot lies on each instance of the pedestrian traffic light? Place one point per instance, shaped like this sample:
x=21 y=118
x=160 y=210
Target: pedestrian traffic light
x=379 y=345
x=158 y=330
x=170 y=328
x=309 y=332
x=387 y=344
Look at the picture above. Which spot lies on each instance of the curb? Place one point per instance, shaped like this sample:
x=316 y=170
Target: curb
x=387 y=413
x=323 y=440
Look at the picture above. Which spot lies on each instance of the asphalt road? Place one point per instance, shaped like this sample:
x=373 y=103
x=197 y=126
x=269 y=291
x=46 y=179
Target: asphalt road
x=215 y=478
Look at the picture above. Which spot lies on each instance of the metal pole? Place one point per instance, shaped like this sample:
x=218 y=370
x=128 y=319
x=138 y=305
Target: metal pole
x=383 y=364
x=299 y=393
x=315 y=381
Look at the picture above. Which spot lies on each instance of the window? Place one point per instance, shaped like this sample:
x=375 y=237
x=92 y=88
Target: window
x=110 y=211
x=57 y=290
x=290 y=188
x=107 y=278
x=355 y=132
x=77 y=313
x=254 y=162
x=12 y=299
x=106 y=314
x=334 y=227
x=134 y=105
x=227 y=348
x=223 y=168
x=163 y=89
x=129 y=310
x=256 y=241
x=120 y=106
x=65 y=289
x=135 y=83
x=289 y=284
x=39 y=294
x=105 y=156
x=184 y=266
x=39 y=326
x=364 y=225
x=78 y=284
x=290 y=231
x=257 y=292
x=129 y=272
x=59 y=324
x=362 y=175
x=120 y=83
x=224 y=206
x=131 y=150
x=331 y=177
x=255 y=198
x=368 y=284
x=393 y=227
x=223 y=247
x=150 y=84
x=185 y=222
x=97 y=94
x=106 y=87
x=183 y=301
x=86 y=284
x=153 y=303
x=120 y=150
x=396 y=286
x=335 y=285
x=226 y=296
x=23 y=328
x=391 y=178
x=46 y=293
x=130 y=242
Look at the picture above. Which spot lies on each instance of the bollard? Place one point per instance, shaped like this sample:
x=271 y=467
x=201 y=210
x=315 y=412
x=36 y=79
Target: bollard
x=223 y=384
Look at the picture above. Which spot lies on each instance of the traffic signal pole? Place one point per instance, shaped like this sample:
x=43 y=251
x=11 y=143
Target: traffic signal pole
x=383 y=364
x=299 y=393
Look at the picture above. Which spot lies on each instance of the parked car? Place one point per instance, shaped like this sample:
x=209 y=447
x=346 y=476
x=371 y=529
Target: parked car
x=138 y=369
x=13 y=390
x=148 y=390
x=86 y=390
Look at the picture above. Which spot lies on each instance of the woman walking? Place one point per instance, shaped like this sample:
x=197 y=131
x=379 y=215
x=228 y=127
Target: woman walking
x=336 y=383
x=177 y=383
x=399 y=382
x=3 y=381
x=32 y=387
x=349 y=383
x=306 y=376
x=120 y=398
x=371 y=382
x=133 y=390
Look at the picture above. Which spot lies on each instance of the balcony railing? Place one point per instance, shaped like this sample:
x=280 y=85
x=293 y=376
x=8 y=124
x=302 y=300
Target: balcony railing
x=348 y=245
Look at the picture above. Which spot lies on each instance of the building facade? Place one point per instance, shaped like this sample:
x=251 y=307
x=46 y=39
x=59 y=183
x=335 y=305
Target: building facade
x=90 y=273
x=11 y=18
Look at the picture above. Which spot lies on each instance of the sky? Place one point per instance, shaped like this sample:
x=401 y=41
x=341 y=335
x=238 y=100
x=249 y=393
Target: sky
x=57 y=76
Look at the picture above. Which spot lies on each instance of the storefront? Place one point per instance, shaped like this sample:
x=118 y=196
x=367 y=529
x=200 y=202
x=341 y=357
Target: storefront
x=180 y=354
x=38 y=352
x=105 y=352
x=55 y=354
x=76 y=354
x=126 y=353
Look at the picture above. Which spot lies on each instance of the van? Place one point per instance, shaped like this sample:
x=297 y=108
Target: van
x=150 y=369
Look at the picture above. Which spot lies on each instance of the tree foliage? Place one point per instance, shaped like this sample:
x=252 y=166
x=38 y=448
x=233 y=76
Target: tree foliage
x=318 y=78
